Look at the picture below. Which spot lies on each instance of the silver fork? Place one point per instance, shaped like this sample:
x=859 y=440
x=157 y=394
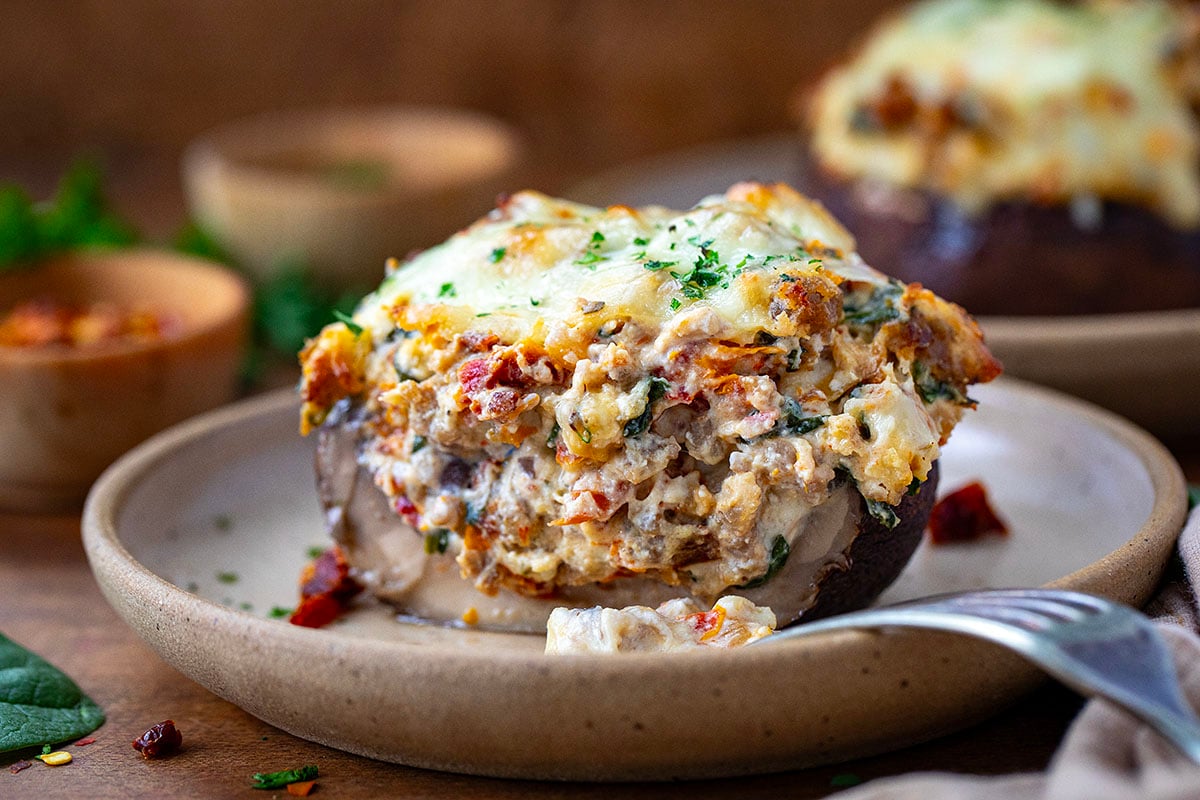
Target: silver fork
x=1095 y=646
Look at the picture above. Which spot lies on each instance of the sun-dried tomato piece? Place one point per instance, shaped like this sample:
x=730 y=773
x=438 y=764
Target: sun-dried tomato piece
x=19 y=766
x=326 y=588
x=964 y=516
x=159 y=741
x=316 y=611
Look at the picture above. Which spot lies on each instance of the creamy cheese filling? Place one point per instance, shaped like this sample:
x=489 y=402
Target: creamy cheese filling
x=984 y=101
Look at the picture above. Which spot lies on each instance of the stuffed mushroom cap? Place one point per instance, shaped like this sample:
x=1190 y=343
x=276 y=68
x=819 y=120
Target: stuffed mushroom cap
x=1020 y=157
x=568 y=405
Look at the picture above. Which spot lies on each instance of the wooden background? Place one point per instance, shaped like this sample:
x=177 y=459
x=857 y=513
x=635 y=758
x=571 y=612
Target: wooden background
x=590 y=83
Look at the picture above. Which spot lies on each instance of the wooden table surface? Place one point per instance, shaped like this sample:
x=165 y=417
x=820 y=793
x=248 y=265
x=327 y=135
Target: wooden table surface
x=50 y=604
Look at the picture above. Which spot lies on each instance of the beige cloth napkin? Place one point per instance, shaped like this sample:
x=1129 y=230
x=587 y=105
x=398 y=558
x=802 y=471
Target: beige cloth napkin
x=1106 y=754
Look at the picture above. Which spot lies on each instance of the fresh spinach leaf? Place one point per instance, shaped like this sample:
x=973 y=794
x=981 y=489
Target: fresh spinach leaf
x=38 y=703
x=656 y=391
x=780 y=550
x=931 y=389
x=883 y=513
x=877 y=306
x=795 y=423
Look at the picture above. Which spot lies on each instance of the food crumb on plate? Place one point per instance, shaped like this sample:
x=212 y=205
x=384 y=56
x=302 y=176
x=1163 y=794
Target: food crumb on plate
x=680 y=624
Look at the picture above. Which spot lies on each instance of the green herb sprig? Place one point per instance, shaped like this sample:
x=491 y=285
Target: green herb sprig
x=278 y=780
x=78 y=216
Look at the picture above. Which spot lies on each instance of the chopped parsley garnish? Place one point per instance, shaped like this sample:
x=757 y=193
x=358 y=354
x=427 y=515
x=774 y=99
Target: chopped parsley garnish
x=278 y=780
x=419 y=443
x=656 y=390
x=315 y=551
x=675 y=304
x=348 y=321
x=437 y=542
x=447 y=290
x=227 y=577
x=279 y=612
x=780 y=550
x=655 y=266
x=706 y=272
x=553 y=437
x=534 y=302
x=641 y=242
x=497 y=254
x=592 y=256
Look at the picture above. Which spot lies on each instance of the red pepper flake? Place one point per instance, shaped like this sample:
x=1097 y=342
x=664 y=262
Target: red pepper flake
x=326 y=588
x=300 y=788
x=19 y=766
x=964 y=516
x=159 y=741
x=86 y=741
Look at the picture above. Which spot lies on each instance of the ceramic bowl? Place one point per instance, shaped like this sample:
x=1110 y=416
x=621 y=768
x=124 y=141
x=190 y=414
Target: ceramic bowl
x=343 y=190
x=68 y=412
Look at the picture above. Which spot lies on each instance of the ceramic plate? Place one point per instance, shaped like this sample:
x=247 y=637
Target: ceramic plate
x=196 y=535
x=1144 y=366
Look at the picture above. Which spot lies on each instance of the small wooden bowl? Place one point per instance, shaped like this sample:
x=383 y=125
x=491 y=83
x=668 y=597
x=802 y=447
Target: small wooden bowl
x=343 y=190
x=67 y=412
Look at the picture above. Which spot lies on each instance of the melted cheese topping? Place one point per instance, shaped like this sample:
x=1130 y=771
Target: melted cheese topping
x=563 y=395
x=538 y=260
x=986 y=101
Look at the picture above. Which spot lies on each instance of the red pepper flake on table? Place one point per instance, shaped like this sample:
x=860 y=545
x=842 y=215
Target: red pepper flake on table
x=159 y=741
x=326 y=588
x=964 y=516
